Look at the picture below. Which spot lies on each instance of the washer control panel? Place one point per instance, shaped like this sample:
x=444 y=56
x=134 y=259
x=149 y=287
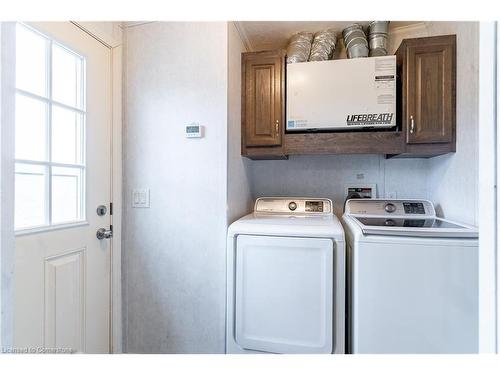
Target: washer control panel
x=314 y=206
x=414 y=208
x=395 y=207
x=304 y=206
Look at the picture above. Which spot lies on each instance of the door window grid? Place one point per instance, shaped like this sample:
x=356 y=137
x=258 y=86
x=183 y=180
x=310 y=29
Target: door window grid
x=61 y=159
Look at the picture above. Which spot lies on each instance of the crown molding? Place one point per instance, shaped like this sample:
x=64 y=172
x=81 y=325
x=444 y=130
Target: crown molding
x=243 y=35
x=408 y=28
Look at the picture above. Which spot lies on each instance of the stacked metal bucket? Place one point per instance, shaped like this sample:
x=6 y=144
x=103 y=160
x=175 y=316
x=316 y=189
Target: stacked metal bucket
x=306 y=46
x=323 y=46
x=357 y=45
x=299 y=47
x=355 y=41
x=377 y=37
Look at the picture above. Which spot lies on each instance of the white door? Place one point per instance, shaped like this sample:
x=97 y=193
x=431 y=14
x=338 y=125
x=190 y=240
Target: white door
x=284 y=294
x=63 y=173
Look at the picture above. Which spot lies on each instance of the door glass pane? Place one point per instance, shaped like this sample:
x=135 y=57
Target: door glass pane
x=31 y=195
x=66 y=77
x=67 y=200
x=67 y=136
x=31 y=128
x=31 y=61
x=50 y=131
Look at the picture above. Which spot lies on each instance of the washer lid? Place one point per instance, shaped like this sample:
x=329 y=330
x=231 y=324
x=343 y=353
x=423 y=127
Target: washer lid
x=418 y=227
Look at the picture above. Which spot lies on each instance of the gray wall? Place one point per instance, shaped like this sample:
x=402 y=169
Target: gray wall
x=174 y=252
x=453 y=179
x=450 y=181
x=239 y=196
x=326 y=176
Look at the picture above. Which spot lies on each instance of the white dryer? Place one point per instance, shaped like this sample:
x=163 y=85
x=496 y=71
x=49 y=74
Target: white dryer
x=285 y=279
x=412 y=279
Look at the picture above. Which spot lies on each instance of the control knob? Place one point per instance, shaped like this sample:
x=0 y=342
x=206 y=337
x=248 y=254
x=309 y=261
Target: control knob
x=292 y=206
x=390 y=223
x=390 y=208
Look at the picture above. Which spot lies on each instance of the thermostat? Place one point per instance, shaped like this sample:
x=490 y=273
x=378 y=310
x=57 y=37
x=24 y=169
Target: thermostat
x=194 y=130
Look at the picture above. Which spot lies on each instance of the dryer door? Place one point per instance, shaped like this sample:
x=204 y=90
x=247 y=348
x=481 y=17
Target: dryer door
x=284 y=294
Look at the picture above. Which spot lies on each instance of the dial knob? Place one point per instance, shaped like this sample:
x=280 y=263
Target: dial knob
x=389 y=207
x=292 y=206
x=390 y=223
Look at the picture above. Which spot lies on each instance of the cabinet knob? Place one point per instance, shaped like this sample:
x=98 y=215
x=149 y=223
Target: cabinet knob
x=277 y=126
x=412 y=125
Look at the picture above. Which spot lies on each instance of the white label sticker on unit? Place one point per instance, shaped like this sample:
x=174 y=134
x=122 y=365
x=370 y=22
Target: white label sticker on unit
x=292 y=124
x=385 y=79
x=384 y=82
x=386 y=99
x=384 y=66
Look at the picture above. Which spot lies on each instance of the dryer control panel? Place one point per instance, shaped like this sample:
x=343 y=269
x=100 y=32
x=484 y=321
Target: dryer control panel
x=291 y=205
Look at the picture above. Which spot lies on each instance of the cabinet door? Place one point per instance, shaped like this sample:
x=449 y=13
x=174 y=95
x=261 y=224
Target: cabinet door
x=431 y=93
x=263 y=99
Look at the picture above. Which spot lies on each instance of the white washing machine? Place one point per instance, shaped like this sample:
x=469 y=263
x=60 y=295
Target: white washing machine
x=285 y=279
x=412 y=279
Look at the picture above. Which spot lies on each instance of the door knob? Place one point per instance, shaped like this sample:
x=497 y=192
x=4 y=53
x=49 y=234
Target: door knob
x=103 y=233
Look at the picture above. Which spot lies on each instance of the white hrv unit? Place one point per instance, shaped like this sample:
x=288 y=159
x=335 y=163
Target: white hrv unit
x=285 y=279
x=341 y=94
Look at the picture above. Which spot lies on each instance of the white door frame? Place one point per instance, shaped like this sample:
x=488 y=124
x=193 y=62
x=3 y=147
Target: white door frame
x=7 y=239
x=116 y=196
x=115 y=45
x=489 y=142
x=497 y=124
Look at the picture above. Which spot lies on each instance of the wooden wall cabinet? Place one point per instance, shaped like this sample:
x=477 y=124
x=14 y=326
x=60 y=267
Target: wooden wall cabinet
x=263 y=104
x=426 y=94
x=426 y=85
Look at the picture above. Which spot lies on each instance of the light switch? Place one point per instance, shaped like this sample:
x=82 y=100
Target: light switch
x=140 y=198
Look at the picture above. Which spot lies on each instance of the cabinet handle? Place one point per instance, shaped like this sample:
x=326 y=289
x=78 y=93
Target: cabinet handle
x=277 y=126
x=412 y=125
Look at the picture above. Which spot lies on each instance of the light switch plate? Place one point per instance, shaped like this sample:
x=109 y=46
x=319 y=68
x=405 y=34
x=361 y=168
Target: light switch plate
x=140 y=198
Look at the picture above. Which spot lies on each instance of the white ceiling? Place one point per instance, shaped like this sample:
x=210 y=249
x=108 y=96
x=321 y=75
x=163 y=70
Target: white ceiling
x=265 y=35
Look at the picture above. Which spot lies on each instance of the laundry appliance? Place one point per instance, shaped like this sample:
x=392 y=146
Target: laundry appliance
x=285 y=278
x=412 y=279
